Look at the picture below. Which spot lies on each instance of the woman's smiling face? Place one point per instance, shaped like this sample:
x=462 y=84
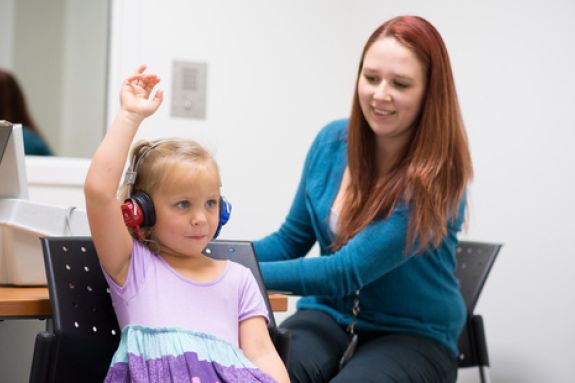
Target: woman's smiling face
x=390 y=88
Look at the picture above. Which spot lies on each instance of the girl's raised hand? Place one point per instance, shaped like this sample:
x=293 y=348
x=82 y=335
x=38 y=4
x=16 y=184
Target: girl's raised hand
x=136 y=91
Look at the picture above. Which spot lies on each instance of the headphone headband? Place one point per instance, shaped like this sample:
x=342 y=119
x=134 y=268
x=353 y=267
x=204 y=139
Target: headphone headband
x=132 y=172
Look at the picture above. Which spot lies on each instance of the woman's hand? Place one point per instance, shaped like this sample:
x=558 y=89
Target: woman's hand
x=136 y=91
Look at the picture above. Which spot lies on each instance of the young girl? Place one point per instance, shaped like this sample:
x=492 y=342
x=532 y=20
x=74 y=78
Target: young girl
x=184 y=316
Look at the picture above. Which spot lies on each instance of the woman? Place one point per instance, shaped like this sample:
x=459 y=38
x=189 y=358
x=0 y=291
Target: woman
x=13 y=108
x=383 y=193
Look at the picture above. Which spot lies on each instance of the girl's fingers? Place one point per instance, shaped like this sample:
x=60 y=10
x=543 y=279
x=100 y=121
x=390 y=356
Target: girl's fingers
x=147 y=80
x=150 y=78
x=157 y=100
x=137 y=74
x=143 y=83
x=132 y=80
x=141 y=69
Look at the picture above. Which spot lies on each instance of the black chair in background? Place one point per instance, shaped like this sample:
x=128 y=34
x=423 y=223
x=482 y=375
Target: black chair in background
x=474 y=262
x=83 y=333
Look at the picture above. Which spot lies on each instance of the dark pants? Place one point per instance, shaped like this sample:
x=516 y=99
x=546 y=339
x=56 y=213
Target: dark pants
x=317 y=343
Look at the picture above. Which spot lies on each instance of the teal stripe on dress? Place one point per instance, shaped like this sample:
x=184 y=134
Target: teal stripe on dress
x=154 y=343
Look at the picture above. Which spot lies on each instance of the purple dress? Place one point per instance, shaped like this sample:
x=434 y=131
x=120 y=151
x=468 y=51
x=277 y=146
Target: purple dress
x=178 y=330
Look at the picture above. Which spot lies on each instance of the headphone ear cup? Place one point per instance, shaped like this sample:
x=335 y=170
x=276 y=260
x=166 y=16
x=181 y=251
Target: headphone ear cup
x=225 y=212
x=132 y=214
x=146 y=205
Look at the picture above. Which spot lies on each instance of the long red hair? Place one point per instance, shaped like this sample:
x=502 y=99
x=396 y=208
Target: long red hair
x=435 y=166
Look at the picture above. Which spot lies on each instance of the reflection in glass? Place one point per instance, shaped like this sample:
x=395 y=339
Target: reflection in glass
x=58 y=50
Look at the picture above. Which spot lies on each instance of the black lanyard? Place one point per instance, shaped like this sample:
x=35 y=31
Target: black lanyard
x=352 y=344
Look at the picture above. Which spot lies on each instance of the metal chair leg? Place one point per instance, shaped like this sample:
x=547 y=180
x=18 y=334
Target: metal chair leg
x=484 y=374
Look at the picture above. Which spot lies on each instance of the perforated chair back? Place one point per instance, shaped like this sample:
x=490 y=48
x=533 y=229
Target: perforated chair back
x=86 y=332
x=474 y=262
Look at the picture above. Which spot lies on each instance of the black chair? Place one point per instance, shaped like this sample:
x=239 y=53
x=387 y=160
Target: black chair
x=474 y=262
x=83 y=334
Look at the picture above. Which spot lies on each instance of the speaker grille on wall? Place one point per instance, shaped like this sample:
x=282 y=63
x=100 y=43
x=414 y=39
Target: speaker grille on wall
x=189 y=89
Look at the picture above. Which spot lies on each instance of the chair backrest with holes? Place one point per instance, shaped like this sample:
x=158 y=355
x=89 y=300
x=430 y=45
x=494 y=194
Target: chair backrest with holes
x=474 y=262
x=85 y=324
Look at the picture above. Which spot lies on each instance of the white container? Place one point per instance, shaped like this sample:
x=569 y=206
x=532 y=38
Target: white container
x=57 y=182
x=22 y=224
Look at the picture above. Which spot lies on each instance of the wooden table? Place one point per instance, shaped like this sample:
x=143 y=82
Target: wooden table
x=33 y=302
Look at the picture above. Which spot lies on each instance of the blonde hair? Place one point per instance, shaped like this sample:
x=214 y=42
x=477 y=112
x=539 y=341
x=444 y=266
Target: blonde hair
x=153 y=162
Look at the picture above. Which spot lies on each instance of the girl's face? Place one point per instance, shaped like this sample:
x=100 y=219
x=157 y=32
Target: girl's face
x=390 y=89
x=187 y=209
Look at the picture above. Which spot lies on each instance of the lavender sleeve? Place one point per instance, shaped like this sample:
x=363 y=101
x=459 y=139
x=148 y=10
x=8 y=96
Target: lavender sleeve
x=139 y=260
x=251 y=301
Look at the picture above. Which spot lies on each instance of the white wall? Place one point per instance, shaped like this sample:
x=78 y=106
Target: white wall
x=274 y=78
x=277 y=71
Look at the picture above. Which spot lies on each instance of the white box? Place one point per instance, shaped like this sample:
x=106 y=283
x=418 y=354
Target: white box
x=22 y=224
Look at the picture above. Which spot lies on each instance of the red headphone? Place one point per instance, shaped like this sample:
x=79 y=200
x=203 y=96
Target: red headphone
x=133 y=216
x=138 y=209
